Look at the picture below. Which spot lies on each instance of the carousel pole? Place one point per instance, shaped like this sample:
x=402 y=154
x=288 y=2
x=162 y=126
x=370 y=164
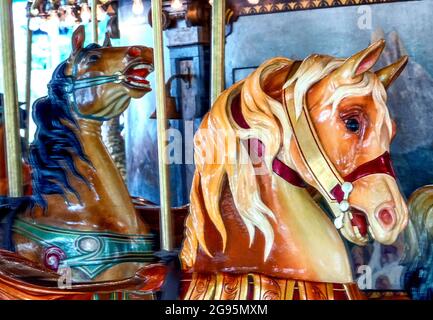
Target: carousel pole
x=28 y=76
x=11 y=112
x=217 y=49
x=164 y=190
x=95 y=20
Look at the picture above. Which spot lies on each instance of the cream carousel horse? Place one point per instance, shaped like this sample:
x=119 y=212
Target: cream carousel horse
x=254 y=229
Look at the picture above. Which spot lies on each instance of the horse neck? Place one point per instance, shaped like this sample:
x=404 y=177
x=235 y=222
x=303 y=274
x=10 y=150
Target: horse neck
x=301 y=223
x=109 y=190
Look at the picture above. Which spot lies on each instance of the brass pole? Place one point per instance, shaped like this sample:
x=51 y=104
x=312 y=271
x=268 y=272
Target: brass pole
x=28 y=79
x=218 y=48
x=12 y=128
x=164 y=190
x=95 y=20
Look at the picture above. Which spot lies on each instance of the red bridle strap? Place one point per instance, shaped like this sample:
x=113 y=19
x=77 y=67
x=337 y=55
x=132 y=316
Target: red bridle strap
x=380 y=165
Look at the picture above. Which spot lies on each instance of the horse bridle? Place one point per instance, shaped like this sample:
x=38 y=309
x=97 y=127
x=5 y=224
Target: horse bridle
x=335 y=189
x=70 y=83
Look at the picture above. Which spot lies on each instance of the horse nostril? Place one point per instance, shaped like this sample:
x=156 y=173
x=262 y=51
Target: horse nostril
x=134 y=52
x=386 y=217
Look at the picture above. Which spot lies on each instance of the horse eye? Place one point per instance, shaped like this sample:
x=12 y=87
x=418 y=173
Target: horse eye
x=93 y=58
x=352 y=124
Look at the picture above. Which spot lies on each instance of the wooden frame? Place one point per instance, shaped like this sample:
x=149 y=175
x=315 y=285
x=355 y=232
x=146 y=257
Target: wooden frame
x=244 y=8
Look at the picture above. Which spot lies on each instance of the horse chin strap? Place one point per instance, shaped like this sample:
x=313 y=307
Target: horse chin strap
x=332 y=186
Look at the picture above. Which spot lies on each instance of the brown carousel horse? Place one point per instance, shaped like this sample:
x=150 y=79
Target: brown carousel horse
x=80 y=215
x=254 y=229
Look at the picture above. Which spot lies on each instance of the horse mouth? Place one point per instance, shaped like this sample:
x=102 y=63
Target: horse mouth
x=135 y=76
x=360 y=225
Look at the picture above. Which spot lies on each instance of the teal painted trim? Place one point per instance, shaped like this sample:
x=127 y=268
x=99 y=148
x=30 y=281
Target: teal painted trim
x=91 y=252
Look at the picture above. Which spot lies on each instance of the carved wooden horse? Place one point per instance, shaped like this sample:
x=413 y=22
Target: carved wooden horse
x=80 y=215
x=254 y=230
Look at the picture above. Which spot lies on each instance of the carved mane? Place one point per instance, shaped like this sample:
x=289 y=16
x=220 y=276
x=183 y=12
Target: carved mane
x=51 y=153
x=268 y=122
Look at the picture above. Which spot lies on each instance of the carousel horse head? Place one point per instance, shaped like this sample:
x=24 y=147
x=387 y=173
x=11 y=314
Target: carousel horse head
x=346 y=103
x=94 y=84
x=321 y=122
x=113 y=74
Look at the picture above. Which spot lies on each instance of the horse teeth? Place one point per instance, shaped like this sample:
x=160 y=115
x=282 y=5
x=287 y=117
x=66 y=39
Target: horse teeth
x=137 y=84
x=357 y=233
x=355 y=230
x=143 y=66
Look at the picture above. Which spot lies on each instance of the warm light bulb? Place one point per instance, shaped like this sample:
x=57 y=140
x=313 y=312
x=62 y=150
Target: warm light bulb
x=176 y=4
x=253 y=1
x=137 y=7
x=211 y=2
x=34 y=11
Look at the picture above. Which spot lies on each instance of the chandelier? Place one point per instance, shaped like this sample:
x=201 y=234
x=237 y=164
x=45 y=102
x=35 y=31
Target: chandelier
x=67 y=13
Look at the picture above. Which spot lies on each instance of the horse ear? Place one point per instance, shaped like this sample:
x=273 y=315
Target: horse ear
x=362 y=61
x=388 y=74
x=107 y=40
x=78 y=38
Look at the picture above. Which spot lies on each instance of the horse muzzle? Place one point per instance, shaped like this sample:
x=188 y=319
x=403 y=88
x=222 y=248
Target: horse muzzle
x=378 y=210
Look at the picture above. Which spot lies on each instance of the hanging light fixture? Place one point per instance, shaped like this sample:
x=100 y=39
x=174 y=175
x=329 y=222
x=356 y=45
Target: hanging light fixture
x=253 y=1
x=137 y=7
